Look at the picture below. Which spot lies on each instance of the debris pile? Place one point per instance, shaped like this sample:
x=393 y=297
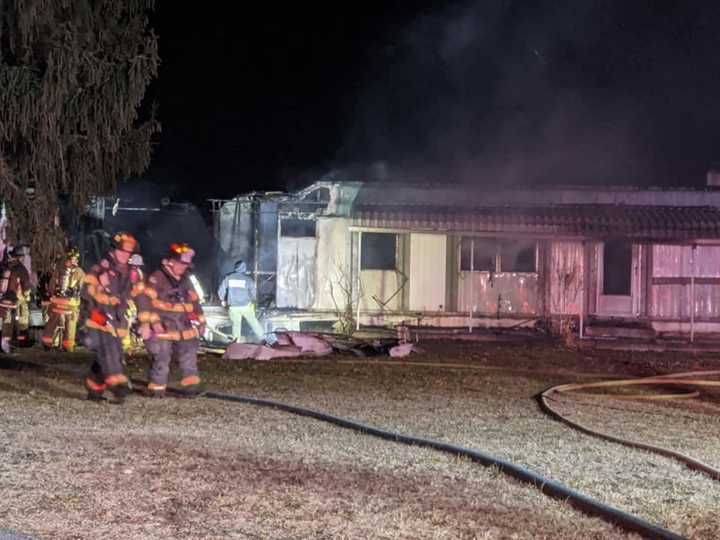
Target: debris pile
x=294 y=344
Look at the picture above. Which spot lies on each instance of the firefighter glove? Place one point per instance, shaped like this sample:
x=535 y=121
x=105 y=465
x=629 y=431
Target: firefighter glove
x=98 y=317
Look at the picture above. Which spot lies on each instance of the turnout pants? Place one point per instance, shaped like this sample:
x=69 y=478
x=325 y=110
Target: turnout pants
x=163 y=352
x=8 y=323
x=108 y=364
x=16 y=319
x=237 y=314
x=61 y=328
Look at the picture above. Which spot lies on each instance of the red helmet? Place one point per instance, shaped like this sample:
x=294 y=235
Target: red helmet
x=181 y=252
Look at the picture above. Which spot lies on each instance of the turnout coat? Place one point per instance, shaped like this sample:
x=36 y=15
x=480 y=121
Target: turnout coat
x=171 y=307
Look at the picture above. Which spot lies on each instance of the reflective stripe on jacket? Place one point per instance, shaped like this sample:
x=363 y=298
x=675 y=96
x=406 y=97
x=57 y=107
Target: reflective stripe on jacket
x=174 y=304
x=107 y=289
x=237 y=289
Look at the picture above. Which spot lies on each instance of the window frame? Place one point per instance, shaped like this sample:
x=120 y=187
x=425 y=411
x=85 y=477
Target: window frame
x=531 y=243
x=471 y=255
x=498 y=257
x=364 y=250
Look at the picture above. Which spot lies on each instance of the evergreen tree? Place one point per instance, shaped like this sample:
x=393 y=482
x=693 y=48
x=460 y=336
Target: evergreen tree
x=73 y=75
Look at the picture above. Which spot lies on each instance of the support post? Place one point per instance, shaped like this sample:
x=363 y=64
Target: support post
x=256 y=247
x=693 y=254
x=581 y=275
x=359 y=283
x=472 y=280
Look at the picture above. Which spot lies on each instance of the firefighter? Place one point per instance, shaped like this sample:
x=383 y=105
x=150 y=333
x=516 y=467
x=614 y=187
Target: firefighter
x=131 y=342
x=15 y=288
x=107 y=290
x=237 y=291
x=172 y=321
x=64 y=309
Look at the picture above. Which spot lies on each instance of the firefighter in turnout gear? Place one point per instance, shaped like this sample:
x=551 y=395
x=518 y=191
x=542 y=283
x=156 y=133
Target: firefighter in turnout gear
x=172 y=321
x=15 y=289
x=64 y=310
x=107 y=290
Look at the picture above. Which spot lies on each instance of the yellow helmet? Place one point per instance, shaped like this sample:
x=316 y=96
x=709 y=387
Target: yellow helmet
x=125 y=241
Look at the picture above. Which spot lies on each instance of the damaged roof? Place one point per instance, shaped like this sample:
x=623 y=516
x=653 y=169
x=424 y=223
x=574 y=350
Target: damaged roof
x=586 y=220
x=473 y=196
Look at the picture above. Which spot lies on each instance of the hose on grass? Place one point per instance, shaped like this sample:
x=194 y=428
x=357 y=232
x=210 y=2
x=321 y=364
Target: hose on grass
x=548 y=487
x=551 y=488
x=548 y=397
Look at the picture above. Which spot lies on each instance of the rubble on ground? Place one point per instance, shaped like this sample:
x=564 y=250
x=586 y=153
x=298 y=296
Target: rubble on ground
x=295 y=344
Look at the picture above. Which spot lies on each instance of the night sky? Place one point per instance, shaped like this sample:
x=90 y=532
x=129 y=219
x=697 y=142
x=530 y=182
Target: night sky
x=485 y=93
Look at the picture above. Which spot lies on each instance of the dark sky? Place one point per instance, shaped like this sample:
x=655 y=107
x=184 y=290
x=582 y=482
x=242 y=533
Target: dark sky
x=504 y=92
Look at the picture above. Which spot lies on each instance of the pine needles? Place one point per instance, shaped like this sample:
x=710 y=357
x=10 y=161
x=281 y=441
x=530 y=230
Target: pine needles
x=73 y=77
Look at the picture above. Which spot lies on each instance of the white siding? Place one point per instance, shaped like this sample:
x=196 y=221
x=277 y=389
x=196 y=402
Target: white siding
x=427 y=272
x=295 y=286
x=671 y=299
x=334 y=268
x=380 y=290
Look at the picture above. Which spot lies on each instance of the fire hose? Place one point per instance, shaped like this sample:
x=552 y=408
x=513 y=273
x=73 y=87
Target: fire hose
x=549 y=487
x=547 y=397
x=546 y=486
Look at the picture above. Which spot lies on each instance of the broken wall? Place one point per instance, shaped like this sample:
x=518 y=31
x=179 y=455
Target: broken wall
x=295 y=280
x=333 y=276
x=567 y=277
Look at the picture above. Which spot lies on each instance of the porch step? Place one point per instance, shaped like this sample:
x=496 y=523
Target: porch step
x=651 y=345
x=616 y=331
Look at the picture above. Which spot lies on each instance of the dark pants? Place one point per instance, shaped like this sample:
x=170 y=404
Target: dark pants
x=163 y=352
x=109 y=355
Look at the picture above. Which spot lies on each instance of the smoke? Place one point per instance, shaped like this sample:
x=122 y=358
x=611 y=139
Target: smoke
x=146 y=212
x=493 y=93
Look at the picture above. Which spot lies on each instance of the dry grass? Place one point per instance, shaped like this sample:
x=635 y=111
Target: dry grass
x=208 y=469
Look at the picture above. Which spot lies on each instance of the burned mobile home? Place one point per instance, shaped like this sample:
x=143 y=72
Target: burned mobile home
x=353 y=253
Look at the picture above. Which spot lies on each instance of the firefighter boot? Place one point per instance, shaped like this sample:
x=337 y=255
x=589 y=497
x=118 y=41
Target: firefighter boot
x=156 y=390
x=119 y=386
x=95 y=390
x=190 y=386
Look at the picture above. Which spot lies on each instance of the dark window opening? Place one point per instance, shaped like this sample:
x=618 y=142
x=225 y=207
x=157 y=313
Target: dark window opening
x=517 y=256
x=477 y=255
x=378 y=251
x=617 y=267
x=297 y=228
